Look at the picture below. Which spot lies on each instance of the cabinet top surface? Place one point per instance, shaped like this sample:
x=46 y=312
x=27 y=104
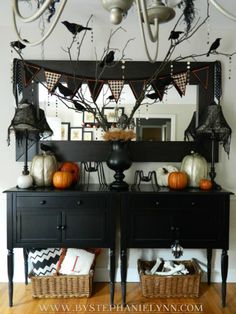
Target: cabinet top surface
x=145 y=188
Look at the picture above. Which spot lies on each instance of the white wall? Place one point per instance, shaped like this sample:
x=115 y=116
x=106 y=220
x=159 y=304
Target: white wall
x=11 y=170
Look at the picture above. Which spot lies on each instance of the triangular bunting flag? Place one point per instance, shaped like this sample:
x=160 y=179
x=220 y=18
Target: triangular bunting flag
x=180 y=82
x=116 y=88
x=202 y=75
x=51 y=79
x=74 y=84
x=137 y=87
x=30 y=71
x=159 y=85
x=95 y=88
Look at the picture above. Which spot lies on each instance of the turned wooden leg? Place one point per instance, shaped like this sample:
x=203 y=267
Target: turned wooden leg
x=123 y=275
x=112 y=276
x=224 y=273
x=209 y=258
x=25 y=254
x=10 y=266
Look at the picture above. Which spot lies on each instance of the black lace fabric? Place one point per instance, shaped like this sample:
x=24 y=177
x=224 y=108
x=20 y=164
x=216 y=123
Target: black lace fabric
x=212 y=122
x=25 y=118
x=190 y=132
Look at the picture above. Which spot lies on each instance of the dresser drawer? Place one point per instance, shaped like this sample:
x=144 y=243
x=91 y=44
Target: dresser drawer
x=82 y=202
x=176 y=201
x=151 y=201
x=203 y=201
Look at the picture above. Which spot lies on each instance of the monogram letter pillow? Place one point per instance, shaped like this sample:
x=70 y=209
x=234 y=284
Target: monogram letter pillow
x=77 y=262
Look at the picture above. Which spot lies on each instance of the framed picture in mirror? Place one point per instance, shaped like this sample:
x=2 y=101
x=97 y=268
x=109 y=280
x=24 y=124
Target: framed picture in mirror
x=88 y=117
x=113 y=113
x=87 y=135
x=65 y=131
x=76 y=134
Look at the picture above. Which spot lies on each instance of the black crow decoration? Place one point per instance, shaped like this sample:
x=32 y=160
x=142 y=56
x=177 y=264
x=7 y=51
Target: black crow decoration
x=65 y=91
x=214 y=46
x=108 y=59
x=75 y=28
x=18 y=45
x=174 y=35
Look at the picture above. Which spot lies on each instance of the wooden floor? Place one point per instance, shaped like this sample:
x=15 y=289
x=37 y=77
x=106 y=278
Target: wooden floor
x=209 y=301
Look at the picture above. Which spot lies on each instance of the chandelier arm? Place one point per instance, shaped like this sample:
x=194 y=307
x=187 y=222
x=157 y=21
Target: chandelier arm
x=222 y=10
x=33 y=17
x=142 y=7
x=30 y=44
x=152 y=60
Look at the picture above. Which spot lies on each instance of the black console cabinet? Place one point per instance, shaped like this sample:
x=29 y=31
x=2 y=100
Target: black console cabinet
x=148 y=219
x=197 y=219
x=52 y=218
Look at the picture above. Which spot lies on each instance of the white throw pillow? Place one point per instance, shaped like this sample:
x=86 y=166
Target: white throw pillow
x=77 y=262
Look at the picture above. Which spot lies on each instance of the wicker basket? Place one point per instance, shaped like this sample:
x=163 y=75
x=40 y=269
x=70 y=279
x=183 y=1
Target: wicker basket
x=170 y=286
x=62 y=286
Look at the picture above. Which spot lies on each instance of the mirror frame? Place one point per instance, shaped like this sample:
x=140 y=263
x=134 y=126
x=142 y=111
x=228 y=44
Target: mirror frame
x=141 y=151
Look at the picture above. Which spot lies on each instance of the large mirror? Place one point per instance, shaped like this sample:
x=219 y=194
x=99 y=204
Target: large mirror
x=155 y=121
x=164 y=120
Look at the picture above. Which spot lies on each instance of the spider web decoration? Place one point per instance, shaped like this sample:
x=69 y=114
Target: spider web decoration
x=51 y=79
x=189 y=12
x=180 y=82
x=116 y=88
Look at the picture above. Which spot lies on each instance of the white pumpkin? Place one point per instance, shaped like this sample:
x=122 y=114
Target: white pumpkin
x=163 y=174
x=195 y=166
x=42 y=168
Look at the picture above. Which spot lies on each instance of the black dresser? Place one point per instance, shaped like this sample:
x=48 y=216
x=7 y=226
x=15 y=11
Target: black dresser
x=148 y=219
x=197 y=219
x=41 y=218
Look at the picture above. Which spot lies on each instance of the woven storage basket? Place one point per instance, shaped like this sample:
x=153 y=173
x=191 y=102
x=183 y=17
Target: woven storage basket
x=62 y=286
x=170 y=286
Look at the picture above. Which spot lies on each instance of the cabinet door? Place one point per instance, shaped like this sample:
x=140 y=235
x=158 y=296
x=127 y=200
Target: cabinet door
x=153 y=220
x=85 y=227
x=38 y=225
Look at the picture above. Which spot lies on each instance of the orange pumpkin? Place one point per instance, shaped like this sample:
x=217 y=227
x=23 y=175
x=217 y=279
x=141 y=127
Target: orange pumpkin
x=62 y=179
x=205 y=184
x=72 y=167
x=177 y=180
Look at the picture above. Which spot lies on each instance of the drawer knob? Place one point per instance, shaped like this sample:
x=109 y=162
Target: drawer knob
x=157 y=203
x=42 y=202
x=193 y=203
x=79 y=202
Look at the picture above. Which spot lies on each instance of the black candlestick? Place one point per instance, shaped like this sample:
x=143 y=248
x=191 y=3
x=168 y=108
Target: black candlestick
x=212 y=172
x=25 y=169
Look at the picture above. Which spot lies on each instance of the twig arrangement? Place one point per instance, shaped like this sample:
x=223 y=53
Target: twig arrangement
x=79 y=101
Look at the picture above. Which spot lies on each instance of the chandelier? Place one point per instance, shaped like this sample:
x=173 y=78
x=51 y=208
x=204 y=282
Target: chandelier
x=149 y=17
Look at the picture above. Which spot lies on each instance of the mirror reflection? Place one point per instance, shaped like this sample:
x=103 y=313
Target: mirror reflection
x=154 y=121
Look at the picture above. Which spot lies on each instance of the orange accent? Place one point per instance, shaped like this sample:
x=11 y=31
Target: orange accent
x=76 y=259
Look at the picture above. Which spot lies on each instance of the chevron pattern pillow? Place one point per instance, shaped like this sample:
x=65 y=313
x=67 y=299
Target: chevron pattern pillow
x=44 y=261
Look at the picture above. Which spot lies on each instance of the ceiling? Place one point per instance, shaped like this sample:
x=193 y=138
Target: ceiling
x=78 y=10
x=83 y=8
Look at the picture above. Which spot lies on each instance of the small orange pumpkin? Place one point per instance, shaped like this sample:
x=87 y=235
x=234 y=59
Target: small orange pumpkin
x=72 y=167
x=62 y=179
x=177 y=180
x=205 y=184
